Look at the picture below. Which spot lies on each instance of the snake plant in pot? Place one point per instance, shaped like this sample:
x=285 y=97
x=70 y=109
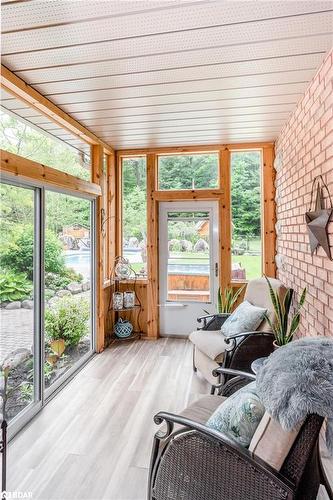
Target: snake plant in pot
x=226 y=300
x=285 y=323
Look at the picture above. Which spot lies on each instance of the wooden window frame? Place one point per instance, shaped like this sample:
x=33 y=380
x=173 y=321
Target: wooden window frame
x=222 y=194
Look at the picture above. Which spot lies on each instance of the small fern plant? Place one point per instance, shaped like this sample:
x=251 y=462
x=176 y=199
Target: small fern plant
x=226 y=299
x=285 y=325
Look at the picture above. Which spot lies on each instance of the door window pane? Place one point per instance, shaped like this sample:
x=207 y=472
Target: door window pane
x=246 y=215
x=33 y=143
x=16 y=296
x=68 y=331
x=188 y=256
x=198 y=171
x=134 y=213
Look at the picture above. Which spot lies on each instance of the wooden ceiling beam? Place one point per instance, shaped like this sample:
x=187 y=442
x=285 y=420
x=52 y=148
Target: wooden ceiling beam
x=20 y=89
x=194 y=149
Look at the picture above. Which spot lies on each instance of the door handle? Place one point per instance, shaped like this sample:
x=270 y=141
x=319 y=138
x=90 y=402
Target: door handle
x=216 y=269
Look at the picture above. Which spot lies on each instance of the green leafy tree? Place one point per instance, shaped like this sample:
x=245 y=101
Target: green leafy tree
x=245 y=194
x=188 y=171
x=19 y=138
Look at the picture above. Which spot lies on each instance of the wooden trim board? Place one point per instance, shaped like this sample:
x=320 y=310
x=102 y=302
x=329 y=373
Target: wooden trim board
x=28 y=170
x=20 y=89
x=152 y=249
x=214 y=148
x=97 y=169
x=269 y=215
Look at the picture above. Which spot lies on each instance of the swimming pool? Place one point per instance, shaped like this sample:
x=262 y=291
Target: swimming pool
x=80 y=262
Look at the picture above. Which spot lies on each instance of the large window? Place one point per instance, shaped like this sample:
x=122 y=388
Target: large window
x=67 y=283
x=246 y=167
x=190 y=171
x=32 y=143
x=59 y=244
x=134 y=213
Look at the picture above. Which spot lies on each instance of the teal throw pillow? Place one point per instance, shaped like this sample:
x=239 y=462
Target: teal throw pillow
x=239 y=415
x=245 y=318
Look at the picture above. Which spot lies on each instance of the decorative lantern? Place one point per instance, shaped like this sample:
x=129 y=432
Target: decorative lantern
x=118 y=301
x=123 y=328
x=122 y=269
x=129 y=299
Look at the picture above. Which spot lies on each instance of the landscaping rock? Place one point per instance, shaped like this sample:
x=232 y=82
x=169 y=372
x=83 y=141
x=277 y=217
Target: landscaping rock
x=27 y=304
x=62 y=293
x=13 y=305
x=85 y=286
x=17 y=357
x=4 y=304
x=75 y=288
x=49 y=293
x=53 y=301
x=186 y=246
x=201 y=245
x=174 y=245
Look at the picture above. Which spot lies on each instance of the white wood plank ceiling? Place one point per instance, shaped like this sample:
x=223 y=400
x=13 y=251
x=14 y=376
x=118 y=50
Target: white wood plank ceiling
x=162 y=73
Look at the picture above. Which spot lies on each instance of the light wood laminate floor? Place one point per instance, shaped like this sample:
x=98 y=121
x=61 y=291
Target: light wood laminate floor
x=93 y=440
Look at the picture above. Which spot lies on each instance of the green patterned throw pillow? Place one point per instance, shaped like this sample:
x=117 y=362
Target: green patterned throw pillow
x=239 y=415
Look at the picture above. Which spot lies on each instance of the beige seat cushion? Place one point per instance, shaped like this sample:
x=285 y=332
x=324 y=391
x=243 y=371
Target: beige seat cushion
x=203 y=408
x=271 y=443
x=210 y=342
x=200 y=410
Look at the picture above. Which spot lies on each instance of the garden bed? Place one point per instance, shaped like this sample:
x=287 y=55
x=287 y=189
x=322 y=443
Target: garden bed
x=20 y=380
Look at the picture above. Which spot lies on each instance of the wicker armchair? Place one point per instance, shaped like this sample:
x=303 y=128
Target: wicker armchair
x=190 y=461
x=211 y=349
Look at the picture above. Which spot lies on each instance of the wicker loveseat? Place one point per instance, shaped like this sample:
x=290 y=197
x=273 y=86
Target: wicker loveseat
x=193 y=462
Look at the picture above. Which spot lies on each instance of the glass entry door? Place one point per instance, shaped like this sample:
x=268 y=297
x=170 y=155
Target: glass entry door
x=188 y=264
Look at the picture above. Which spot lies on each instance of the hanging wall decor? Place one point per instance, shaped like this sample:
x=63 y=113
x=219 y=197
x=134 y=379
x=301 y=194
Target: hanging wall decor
x=317 y=220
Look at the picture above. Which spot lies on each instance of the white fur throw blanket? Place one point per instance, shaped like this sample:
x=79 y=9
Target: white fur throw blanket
x=296 y=380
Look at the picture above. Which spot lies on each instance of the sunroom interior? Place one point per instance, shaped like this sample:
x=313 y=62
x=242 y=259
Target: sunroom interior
x=161 y=165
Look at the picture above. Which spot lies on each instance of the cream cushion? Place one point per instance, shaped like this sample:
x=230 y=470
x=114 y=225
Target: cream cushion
x=257 y=293
x=210 y=342
x=271 y=443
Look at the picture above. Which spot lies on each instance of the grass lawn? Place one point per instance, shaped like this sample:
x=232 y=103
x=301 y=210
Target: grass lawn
x=252 y=264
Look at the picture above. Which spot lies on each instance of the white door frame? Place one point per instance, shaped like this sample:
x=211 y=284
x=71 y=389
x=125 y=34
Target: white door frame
x=181 y=312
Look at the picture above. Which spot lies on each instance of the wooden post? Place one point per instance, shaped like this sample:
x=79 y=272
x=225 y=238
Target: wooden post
x=152 y=249
x=97 y=170
x=111 y=202
x=269 y=215
x=225 y=218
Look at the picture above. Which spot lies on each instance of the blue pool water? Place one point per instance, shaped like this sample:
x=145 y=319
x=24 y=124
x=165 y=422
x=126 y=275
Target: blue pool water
x=80 y=262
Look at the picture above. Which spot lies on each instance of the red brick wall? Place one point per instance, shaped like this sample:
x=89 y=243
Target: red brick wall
x=304 y=149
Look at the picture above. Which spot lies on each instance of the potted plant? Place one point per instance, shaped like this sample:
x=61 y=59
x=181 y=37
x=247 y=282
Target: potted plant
x=286 y=323
x=226 y=300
